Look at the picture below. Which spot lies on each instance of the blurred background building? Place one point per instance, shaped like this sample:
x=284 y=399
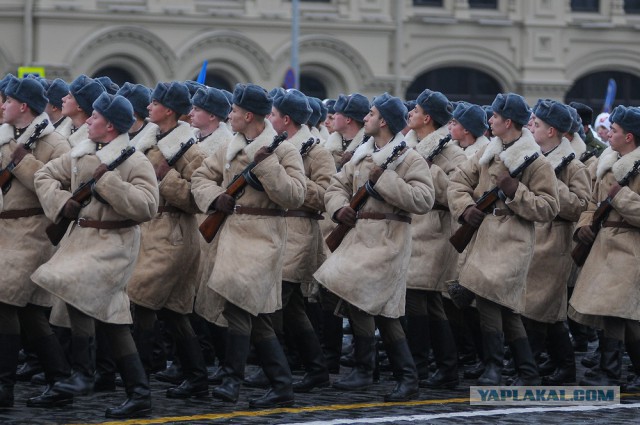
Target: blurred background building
x=468 y=49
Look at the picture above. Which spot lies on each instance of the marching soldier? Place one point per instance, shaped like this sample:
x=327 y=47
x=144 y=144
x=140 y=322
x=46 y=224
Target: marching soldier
x=348 y=126
x=77 y=105
x=506 y=236
x=433 y=258
x=55 y=91
x=164 y=281
x=468 y=127
x=97 y=255
x=247 y=272
x=607 y=285
x=143 y=131
x=379 y=246
x=24 y=245
x=546 y=289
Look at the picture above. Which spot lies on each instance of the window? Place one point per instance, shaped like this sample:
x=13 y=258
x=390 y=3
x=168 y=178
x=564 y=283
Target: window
x=215 y=80
x=117 y=75
x=311 y=86
x=433 y=3
x=483 y=4
x=632 y=6
x=457 y=83
x=585 y=6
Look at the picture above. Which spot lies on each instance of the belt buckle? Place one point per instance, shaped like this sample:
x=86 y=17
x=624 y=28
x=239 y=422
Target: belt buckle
x=494 y=212
x=235 y=208
x=80 y=220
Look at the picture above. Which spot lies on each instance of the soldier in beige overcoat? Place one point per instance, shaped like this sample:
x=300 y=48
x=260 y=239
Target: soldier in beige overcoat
x=500 y=252
x=23 y=242
x=55 y=91
x=164 y=281
x=348 y=131
x=546 y=289
x=608 y=283
x=97 y=256
x=378 y=248
x=304 y=251
x=77 y=105
x=247 y=271
x=433 y=258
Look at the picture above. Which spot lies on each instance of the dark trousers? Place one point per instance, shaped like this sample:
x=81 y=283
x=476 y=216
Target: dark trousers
x=499 y=319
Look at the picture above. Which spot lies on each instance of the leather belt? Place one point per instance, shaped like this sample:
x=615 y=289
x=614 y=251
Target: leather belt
x=168 y=209
x=619 y=224
x=384 y=216
x=440 y=207
x=29 y=212
x=501 y=212
x=304 y=214
x=270 y=212
x=97 y=224
x=562 y=220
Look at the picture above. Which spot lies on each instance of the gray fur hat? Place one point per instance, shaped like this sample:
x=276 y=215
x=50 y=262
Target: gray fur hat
x=293 y=103
x=117 y=110
x=213 y=101
x=554 y=114
x=85 y=91
x=29 y=91
x=253 y=98
x=392 y=110
x=57 y=89
x=512 y=106
x=173 y=95
x=138 y=95
x=354 y=106
x=627 y=117
x=472 y=118
x=437 y=105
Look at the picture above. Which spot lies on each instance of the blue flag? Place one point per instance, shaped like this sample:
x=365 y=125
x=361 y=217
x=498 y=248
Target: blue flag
x=610 y=96
x=203 y=73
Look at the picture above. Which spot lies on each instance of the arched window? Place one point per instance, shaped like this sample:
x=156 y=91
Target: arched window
x=592 y=88
x=457 y=83
x=216 y=80
x=118 y=75
x=312 y=86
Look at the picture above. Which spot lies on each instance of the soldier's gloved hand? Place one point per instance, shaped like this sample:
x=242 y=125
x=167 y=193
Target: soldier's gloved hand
x=346 y=215
x=71 y=209
x=18 y=154
x=507 y=184
x=346 y=157
x=162 y=168
x=261 y=155
x=615 y=188
x=473 y=216
x=102 y=168
x=586 y=235
x=224 y=203
x=375 y=174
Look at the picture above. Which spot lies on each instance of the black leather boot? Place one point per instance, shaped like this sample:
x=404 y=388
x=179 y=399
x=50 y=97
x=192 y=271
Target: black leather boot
x=633 y=349
x=562 y=355
x=81 y=380
x=407 y=386
x=446 y=355
x=493 y=349
x=136 y=385
x=591 y=359
x=537 y=342
x=215 y=376
x=474 y=371
x=257 y=379
x=172 y=374
x=525 y=364
x=317 y=375
x=30 y=367
x=610 y=369
x=234 y=363
x=276 y=368
x=361 y=376
x=9 y=348
x=105 y=375
x=54 y=362
x=419 y=340
x=332 y=340
x=195 y=370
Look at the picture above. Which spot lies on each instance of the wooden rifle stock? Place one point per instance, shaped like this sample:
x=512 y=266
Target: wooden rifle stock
x=6 y=175
x=461 y=238
x=55 y=231
x=581 y=251
x=212 y=224
x=358 y=200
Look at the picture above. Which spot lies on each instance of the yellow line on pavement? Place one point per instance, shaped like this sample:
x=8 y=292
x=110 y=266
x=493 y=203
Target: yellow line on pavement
x=294 y=410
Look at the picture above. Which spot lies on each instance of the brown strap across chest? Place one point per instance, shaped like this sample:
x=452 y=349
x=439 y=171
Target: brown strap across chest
x=384 y=216
x=303 y=214
x=270 y=212
x=29 y=212
x=97 y=224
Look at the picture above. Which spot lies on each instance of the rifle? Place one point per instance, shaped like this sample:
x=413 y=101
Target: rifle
x=581 y=250
x=211 y=225
x=184 y=147
x=441 y=144
x=5 y=175
x=565 y=161
x=588 y=154
x=464 y=234
x=359 y=199
x=82 y=195
x=306 y=147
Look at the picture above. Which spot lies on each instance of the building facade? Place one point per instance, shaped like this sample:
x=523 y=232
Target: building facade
x=469 y=49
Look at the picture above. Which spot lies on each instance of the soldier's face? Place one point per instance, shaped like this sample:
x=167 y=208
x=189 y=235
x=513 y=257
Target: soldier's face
x=97 y=126
x=199 y=117
x=69 y=105
x=540 y=130
x=456 y=130
x=237 y=119
x=498 y=125
x=11 y=109
x=339 y=122
x=157 y=111
x=619 y=140
x=277 y=121
x=372 y=122
x=417 y=118
x=329 y=123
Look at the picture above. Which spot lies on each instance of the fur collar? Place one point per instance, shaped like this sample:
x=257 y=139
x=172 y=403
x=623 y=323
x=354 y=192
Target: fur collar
x=411 y=139
x=563 y=150
x=620 y=166
x=65 y=127
x=170 y=144
x=6 y=130
x=427 y=145
x=324 y=132
x=146 y=139
x=334 y=142
x=82 y=133
x=215 y=140
x=107 y=154
x=380 y=157
x=239 y=143
x=471 y=150
x=578 y=145
x=300 y=137
x=514 y=156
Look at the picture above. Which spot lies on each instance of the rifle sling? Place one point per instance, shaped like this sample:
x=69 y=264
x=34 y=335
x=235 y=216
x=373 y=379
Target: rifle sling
x=29 y=212
x=97 y=224
x=384 y=216
x=270 y=212
x=619 y=224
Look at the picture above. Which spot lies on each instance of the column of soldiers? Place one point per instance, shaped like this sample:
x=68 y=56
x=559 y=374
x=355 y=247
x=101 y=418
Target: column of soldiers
x=157 y=164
